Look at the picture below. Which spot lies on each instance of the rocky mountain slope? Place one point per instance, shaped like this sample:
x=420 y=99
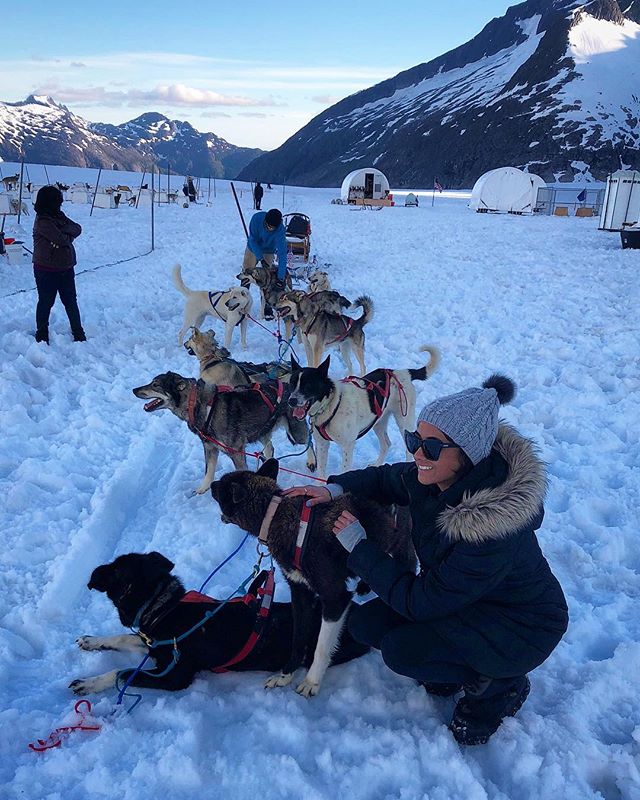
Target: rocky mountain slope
x=553 y=86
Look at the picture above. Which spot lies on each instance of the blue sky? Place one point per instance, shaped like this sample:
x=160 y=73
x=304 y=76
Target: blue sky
x=253 y=72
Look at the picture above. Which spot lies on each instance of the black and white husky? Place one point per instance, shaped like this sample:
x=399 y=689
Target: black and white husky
x=342 y=412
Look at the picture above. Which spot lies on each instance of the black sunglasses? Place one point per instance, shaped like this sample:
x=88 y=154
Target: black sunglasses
x=430 y=446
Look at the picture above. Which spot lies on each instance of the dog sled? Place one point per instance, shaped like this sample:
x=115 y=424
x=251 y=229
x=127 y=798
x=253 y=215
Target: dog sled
x=297 y=228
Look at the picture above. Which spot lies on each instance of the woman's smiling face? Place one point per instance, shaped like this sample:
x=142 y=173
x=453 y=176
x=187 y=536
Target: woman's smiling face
x=444 y=471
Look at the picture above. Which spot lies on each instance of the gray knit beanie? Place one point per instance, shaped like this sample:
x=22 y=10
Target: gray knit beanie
x=470 y=418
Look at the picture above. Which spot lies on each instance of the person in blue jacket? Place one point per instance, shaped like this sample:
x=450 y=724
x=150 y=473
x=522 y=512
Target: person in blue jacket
x=266 y=237
x=485 y=608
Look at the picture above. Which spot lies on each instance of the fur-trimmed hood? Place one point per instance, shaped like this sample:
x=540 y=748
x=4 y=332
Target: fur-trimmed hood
x=499 y=511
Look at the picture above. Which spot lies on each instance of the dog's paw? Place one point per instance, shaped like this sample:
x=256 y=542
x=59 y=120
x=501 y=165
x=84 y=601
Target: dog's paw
x=89 y=643
x=99 y=683
x=202 y=489
x=312 y=467
x=81 y=686
x=308 y=689
x=281 y=679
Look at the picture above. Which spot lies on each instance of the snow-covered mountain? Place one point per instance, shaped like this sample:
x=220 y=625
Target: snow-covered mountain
x=552 y=86
x=47 y=132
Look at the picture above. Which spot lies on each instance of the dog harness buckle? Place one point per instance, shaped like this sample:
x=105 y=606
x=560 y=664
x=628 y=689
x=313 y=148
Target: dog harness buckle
x=146 y=639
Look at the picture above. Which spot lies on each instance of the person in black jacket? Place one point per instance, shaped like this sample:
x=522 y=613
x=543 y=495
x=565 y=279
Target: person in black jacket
x=54 y=258
x=485 y=609
x=258 y=192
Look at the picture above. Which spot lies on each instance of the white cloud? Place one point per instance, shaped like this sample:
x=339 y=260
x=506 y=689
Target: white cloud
x=326 y=99
x=176 y=94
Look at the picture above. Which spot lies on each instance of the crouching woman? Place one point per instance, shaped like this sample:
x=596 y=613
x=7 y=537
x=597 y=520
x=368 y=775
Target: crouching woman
x=485 y=609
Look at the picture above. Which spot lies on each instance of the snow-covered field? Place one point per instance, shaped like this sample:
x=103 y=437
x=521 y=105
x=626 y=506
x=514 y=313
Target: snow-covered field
x=86 y=475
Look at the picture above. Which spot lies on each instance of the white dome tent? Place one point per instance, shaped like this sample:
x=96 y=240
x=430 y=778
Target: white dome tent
x=508 y=190
x=363 y=185
x=621 y=207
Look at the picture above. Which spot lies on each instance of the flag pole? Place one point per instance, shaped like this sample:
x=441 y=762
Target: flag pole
x=433 y=194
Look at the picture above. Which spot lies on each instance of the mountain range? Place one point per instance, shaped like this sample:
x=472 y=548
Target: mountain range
x=47 y=132
x=553 y=87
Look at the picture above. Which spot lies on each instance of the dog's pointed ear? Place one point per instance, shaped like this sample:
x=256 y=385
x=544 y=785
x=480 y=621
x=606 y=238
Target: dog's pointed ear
x=269 y=469
x=324 y=367
x=160 y=561
x=295 y=367
x=215 y=490
x=238 y=492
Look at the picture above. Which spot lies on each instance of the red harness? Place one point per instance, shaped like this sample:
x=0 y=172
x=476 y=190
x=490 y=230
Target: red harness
x=378 y=396
x=348 y=324
x=260 y=592
x=256 y=387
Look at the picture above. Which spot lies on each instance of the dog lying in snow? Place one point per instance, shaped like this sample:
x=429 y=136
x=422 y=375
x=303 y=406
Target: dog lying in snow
x=345 y=411
x=244 y=499
x=143 y=581
x=231 y=307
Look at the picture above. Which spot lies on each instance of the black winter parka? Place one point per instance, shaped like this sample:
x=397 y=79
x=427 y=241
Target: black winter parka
x=484 y=584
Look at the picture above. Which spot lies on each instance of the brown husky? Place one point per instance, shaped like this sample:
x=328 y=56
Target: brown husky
x=244 y=499
x=217 y=366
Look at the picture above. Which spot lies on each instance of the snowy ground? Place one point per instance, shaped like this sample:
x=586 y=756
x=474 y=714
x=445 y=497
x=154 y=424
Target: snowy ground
x=85 y=475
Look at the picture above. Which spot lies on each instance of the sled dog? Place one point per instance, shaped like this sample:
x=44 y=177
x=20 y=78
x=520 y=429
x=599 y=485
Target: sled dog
x=231 y=307
x=143 y=581
x=344 y=411
x=217 y=366
x=246 y=497
x=225 y=420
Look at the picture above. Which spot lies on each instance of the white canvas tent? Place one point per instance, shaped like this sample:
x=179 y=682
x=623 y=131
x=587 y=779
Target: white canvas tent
x=364 y=184
x=507 y=190
x=621 y=207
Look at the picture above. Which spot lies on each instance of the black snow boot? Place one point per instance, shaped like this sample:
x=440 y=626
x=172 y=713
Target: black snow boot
x=268 y=312
x=478 y=715
x=42 y=336
x=79 y=336
x=441 y=689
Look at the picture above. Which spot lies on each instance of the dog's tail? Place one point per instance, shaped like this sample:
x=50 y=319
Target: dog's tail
x=178 y=282
x=427 y=371
x=366 y=303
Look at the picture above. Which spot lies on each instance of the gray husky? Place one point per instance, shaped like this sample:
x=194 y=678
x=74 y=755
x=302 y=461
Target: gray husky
x=225 y=420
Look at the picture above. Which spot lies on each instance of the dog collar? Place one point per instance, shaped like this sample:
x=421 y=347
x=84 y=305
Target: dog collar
x=268 y=519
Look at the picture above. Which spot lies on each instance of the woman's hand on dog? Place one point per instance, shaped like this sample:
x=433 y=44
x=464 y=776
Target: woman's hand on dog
x=346 y=518
x=314 y=494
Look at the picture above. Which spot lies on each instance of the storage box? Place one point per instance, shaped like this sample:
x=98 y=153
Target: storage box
x=15 y=253
x=630 y=239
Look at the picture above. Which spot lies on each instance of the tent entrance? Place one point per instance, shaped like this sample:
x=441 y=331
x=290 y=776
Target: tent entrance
x=368 y=185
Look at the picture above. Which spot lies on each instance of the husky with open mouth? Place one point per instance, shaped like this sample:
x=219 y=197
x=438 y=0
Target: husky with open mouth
x=346 y=410
x=225 y=420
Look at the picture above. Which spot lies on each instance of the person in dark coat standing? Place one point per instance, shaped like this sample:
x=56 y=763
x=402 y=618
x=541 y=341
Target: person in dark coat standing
x=258 y=192
x=54 y=258
x=189 y=189
x=486 y=608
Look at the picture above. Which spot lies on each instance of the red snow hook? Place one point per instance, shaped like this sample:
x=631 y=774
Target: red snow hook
x=55 y=737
